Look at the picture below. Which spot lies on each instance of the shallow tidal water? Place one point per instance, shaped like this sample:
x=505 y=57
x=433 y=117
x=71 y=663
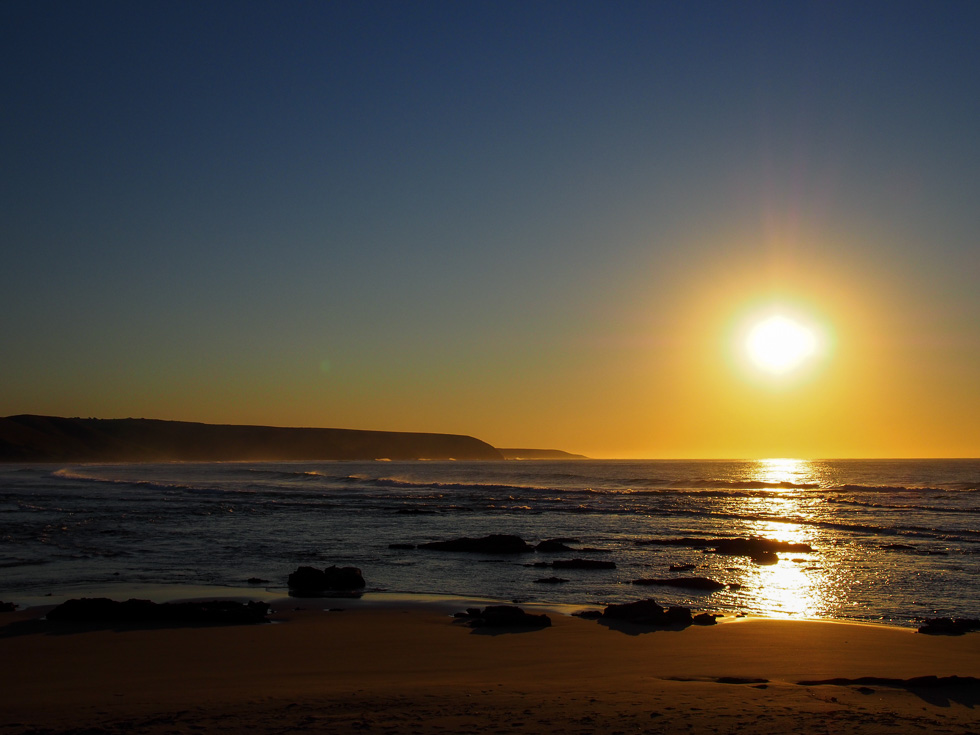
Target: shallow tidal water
x=892 y=541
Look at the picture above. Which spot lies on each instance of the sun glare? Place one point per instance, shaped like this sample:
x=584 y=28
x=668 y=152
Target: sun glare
x=778 y=344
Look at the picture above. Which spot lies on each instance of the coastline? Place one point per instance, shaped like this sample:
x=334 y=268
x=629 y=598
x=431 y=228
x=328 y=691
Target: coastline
x=398 y=664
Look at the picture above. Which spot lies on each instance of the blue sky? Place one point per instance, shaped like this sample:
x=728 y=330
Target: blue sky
x=522 y=221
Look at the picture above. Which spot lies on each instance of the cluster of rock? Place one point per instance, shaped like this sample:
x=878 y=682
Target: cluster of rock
x=502 y=616
x=648 y=612
x=101 y=610
x=758 y=549
x=574 y=564
x=949 y=626
x=703 y=584
x=312 y=581
x=498 y=543
x=7 y=607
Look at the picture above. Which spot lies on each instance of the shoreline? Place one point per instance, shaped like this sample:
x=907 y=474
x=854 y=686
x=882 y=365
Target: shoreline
x=449 y=602
x=400 y=666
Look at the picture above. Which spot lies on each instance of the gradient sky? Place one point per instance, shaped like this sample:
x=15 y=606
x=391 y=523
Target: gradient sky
x=544 y=224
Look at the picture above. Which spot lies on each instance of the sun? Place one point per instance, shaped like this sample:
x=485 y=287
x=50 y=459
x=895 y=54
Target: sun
x=779 y=344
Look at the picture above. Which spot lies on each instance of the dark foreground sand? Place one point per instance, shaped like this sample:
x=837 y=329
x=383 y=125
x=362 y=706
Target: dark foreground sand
x=415 y=670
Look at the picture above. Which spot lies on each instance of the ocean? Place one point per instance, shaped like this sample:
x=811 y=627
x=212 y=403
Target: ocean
x=892 y=541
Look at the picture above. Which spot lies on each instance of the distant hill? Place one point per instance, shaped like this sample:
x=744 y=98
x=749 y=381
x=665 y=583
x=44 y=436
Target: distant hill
x=539 y=454
x=28 y=438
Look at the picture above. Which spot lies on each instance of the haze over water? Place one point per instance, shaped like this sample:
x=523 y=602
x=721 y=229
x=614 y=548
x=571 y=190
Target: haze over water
x=892 y=540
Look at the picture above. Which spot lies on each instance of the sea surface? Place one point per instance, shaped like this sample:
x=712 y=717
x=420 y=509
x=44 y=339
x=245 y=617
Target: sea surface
x=892 y=541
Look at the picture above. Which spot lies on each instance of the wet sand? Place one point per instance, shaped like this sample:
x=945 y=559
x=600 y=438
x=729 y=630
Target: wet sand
x=413 y=669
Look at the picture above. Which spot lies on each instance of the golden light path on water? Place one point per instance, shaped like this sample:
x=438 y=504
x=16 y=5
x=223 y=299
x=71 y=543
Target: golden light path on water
x=802 y=584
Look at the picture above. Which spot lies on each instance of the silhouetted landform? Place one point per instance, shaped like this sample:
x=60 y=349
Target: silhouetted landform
x=496 y=543
x=28 y=438
x=7 y=607
x=103 y=611
x=311 y=581
x=949 y=626
x=539 y=454
x=691 y=583
x=551 y=580
x=648 y=612
x=502 y=616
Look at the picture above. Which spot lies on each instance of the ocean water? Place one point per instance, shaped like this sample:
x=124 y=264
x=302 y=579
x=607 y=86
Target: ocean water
x=893 y=541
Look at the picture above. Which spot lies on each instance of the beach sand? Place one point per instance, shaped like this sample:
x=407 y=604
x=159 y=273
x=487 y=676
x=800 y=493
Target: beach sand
x=413 y=669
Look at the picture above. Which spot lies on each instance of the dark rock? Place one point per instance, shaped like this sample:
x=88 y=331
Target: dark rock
x=257 y=580
x=734 y=586
x=692 y=583
x=550 y=580
x=404 y=547
x=704 y=619
x=694 y=543
x=648 y=612
x=100 y=610
x=308 y=580
x=7 y=607
x=765 y=558
x=504 y=616
x=679 y=616
x=756 y=545
x=740 y=680
x=949 y=626
x=641 y=611
x=730 y=546
x=683 y=567
x=493 y=544
x=583 y=564
x=552 y=545
x=588 y=614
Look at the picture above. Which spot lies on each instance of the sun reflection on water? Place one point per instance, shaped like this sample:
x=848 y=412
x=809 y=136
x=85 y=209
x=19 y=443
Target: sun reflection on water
x=784 y=470
x=800 y=584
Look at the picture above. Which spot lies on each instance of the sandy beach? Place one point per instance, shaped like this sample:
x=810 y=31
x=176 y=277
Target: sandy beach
x=413 y=669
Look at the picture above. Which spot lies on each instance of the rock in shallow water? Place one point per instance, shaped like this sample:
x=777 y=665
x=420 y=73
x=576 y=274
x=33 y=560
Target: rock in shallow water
x=949 y=626
x=497 y=543
x=648 y=612
x=583 y=564
x=311 y=581
x=691 y=583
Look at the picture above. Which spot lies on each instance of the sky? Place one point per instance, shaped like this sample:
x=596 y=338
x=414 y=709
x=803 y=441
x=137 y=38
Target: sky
x=543 y=224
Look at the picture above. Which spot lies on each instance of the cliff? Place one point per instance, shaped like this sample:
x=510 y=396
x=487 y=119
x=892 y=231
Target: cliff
x=28 y=438
x=539 y=454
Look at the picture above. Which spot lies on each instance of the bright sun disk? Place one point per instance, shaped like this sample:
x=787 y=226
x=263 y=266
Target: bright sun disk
x=778 y=344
